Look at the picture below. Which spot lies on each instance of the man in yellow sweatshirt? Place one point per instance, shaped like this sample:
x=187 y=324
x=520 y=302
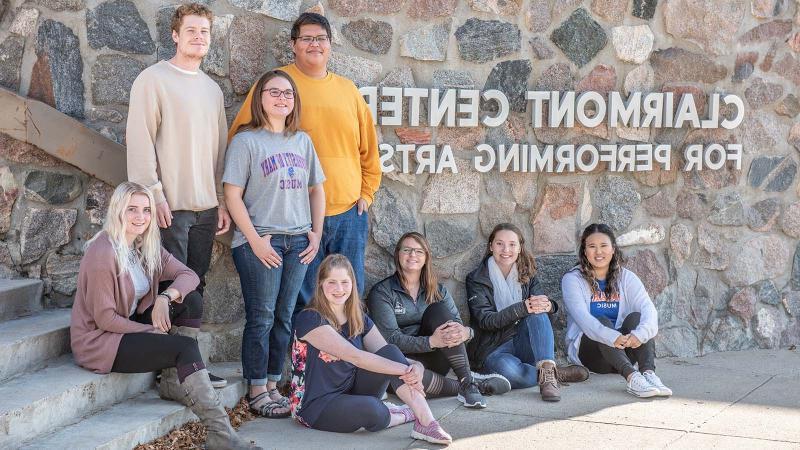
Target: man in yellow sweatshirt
x=340 y=124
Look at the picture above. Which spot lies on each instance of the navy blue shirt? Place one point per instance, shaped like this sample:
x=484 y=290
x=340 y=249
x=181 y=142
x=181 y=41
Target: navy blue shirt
x=316 y=379
x=602 y=305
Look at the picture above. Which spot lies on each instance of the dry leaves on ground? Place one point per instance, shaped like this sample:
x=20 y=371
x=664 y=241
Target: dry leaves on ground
x=192 y=435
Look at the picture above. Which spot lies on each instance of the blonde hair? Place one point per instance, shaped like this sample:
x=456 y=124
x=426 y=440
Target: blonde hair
x=148 y=243
x=352 y=306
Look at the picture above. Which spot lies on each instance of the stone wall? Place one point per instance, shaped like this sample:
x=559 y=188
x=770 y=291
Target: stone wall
x=717 y=250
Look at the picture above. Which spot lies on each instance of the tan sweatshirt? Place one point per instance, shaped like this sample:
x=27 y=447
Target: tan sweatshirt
x=176 y=136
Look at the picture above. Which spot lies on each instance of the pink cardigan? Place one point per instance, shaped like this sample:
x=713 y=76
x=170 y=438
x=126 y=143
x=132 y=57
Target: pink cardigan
x=104 y=298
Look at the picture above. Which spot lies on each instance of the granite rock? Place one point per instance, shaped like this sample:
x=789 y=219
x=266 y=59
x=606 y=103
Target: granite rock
x=676 y=64
x=523 y=187
x=579 y=37
x=425 y=9
x=112 y=78
x=452 y=79
x=540 y=49
x=616 y=199
x=426 y=43
x=494 y=212
x=768 y=326
x=763 y=215
x=644 y=9
x=761 y=93
x=640 y=79
x=248 y=60
x=744 y=66
x=794 y=136
x=760 y=132
x=602 y=79
x=764 y=9
x=554 y=222
x=776 y=29
x=659 y=205
x=369 y=35
x=499 y=7
x=538 y=15
x=511 y=78
x=98 y=194
x=789 y=106
x=363 y=72
x=713 y=248
x=452 y=193
x=632 y=43
x=52 y=187
x=727 y=209
x=350 y=8
x=11 y=52
x=393 y=213
x=286 y=10
x=216 y=60
x=57 y=76
x=681 y=342
x=164 y=43
x=481 y=41
x=743 y=304
x=767 y=293
x=711 y=24
x=116 y=24
x=25 y=22
x=772 y=173
x=550 y=269
x=644 y=235
x=790 y=220
x=62 y=273
x=43 y=230
x=789 y=68
x=62 y=5
x=726 y=334
x=8 y=195
x=612 y=11
x=760 y=258
x=557 y=77
x=223 y=293
x=647 y=267
x=680 y=243
x=450 y=237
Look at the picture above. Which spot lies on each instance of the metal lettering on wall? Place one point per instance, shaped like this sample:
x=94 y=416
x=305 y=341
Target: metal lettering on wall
x=462 y=108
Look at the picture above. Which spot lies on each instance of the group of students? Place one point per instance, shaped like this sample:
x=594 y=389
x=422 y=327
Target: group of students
x=297 y=184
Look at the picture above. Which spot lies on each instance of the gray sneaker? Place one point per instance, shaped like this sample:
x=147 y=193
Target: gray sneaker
x=491 y=383
x=470 y=395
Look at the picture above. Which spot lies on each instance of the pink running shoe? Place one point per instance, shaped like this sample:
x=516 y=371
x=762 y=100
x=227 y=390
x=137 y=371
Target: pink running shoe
x=404 y=410
x=433 y=433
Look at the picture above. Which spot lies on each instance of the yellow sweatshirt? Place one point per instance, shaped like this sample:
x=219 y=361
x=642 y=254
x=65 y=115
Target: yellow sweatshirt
x=340 y=124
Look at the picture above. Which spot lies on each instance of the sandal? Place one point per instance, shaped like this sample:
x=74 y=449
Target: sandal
x=265 y=407
x=276 y=397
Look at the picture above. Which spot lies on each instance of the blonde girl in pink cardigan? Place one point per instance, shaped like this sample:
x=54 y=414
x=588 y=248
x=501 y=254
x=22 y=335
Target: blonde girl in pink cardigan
x=121 y=323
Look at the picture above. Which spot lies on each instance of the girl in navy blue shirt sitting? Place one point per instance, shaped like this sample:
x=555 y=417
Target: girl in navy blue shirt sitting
x=341 y=365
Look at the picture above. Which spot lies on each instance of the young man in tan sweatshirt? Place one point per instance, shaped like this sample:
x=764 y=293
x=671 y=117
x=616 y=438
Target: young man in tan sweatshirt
x=176 y=139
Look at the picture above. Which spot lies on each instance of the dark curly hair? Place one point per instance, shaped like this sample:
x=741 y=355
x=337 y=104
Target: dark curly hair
x=614 y=268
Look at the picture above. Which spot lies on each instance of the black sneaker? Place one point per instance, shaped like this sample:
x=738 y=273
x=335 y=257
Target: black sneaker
x=216 y=381
x=470 y=396
x=492 y=383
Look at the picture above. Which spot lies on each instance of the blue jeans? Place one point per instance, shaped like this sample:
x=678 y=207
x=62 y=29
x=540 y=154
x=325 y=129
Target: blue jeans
x=516 y=359
x=269 y=298
x=344 y=233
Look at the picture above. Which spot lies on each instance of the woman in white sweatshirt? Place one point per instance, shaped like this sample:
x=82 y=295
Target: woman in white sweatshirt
x=611 y=321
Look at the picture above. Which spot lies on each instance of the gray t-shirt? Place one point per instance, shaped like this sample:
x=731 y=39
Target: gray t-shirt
x=275 y=172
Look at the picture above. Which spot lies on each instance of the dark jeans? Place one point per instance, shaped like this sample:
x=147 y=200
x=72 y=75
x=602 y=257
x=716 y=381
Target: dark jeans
x=437 y=360
x=517 y=358
x=601 y=358
x=190 y=239
x=344 y=233
x=269 y=298
x=149 y=352
x=361 y=406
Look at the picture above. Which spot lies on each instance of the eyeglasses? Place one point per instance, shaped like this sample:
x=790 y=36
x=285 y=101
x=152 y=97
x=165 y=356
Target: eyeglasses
x=275 y=92
x=415 y=251
x=307 y=40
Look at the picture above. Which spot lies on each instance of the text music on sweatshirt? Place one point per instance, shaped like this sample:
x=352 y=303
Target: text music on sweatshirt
x=465 y=108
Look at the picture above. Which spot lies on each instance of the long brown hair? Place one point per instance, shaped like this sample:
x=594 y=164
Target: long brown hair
x=526 y=265
x=352 y=306
x=428 y=279
x=614 y=268
x=259 y=118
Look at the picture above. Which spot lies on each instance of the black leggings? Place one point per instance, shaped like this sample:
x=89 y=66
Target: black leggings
x=601 y=358
x=361 y=406
x=148 y=352
x=441 y=360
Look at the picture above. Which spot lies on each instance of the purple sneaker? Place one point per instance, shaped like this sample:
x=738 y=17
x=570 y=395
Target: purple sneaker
x=402 y=410
x=433 y=433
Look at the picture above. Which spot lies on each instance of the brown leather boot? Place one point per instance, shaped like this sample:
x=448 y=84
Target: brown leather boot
x=548 y=381
x=572 y=373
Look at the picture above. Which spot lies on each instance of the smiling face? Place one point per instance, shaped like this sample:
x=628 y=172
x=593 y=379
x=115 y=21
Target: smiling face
x=277 y=107
x=312 y=54
x=599 y=251
x=193 y=37
x=505 y=247
x=411 y=256
x=337 y=287
x=137 y=216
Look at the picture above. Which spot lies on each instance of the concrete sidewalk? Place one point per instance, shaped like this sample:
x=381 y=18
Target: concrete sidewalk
x=745 y=399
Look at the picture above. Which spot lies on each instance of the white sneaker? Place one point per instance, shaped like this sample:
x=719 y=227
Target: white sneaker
x=653 y=379
x=640 y=387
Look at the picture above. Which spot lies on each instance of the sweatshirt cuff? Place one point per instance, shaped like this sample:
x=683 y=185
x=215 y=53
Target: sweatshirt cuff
x=158 y=195
x=368 y=196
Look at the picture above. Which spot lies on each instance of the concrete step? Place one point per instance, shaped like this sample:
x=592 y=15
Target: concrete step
x=27 y=344
x=19 y=298
x=60 y=394
x=135 y=421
